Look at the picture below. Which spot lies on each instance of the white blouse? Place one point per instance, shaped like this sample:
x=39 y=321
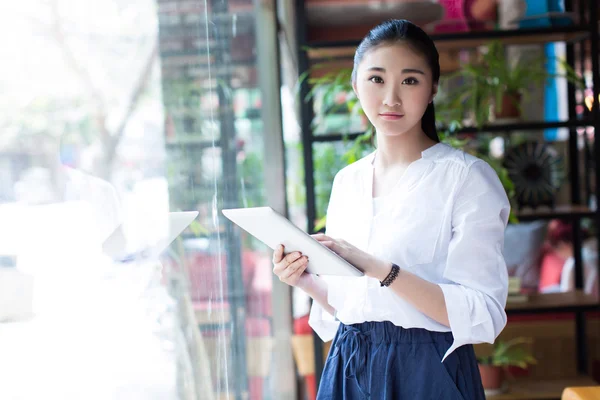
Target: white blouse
x=443 y=221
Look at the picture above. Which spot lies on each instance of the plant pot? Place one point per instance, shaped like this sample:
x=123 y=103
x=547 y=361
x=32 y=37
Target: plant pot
x=510 y=107
x=492 y=377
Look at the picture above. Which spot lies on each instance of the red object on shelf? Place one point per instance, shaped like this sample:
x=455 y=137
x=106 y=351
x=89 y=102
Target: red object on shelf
x=466 y=15
x=455 y=19
x=301 y=326
x=311 y=386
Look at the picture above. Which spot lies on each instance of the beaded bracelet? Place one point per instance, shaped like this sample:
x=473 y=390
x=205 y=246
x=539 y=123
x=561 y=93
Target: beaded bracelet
x=391 y=276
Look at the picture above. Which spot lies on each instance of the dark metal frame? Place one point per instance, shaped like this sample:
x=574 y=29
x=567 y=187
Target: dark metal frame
x=578 y=35
x=504 y=129
x=306 y=117
x=236 y=292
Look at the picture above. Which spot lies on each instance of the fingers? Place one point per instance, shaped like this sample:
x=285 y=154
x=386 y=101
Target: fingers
x=327 y=241
x=296 y=275
x=292 y=268
x=290 y=258
x=289 y=268
x=320 y=237
x=285 y=262
x=278 y=254
x=330 y=244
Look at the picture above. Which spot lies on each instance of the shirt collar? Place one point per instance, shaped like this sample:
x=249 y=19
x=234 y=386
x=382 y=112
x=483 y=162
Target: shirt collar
x=429 y=153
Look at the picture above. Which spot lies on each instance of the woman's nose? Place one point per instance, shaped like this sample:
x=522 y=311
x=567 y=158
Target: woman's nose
x=392 y=98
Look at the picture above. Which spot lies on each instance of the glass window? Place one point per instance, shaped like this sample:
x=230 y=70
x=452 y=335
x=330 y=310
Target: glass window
x=119 y=118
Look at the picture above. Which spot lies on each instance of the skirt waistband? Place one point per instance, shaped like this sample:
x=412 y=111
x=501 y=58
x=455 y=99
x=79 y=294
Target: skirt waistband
x=387 y=332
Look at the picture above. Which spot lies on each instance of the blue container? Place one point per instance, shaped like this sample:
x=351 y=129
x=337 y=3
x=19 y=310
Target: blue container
x=544 y=13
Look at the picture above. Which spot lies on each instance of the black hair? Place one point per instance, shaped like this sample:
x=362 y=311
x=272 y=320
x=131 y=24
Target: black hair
x=401 y=30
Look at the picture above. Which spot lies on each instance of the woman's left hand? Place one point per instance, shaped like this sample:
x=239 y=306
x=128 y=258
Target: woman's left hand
x=365 y=262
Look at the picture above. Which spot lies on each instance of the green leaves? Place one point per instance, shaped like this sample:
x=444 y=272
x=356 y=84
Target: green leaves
x=510 y=353
x=484 y=82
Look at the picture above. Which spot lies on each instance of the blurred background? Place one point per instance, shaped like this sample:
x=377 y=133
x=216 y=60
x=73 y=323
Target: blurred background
x=115 y=113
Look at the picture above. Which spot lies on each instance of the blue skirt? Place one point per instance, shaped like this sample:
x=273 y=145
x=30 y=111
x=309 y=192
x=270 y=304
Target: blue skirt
x=379 y=360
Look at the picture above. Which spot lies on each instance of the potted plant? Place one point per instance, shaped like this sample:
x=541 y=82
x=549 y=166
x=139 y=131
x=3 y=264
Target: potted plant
x=493 y=367
x=492 y=88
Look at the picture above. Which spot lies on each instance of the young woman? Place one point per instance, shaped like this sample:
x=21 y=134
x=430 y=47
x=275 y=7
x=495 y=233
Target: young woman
x=425 y=223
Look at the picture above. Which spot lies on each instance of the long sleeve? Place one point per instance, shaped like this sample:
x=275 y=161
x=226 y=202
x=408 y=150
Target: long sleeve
x=476 y=297
x=325 y=324
x=321 y=321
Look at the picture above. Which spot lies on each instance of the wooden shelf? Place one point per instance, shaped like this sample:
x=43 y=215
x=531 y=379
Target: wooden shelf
x=562 y=211
x=339 y=54
x=464 y=40
x=553 y=302
x=541 y=389
x=509 y=37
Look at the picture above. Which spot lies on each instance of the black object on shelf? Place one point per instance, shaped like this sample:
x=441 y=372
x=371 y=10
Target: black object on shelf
x=537 y=172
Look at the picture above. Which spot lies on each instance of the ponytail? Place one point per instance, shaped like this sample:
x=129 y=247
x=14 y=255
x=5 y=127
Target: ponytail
x=428 y=123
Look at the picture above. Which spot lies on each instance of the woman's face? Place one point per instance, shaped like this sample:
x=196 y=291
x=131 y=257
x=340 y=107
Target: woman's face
x=394 y=85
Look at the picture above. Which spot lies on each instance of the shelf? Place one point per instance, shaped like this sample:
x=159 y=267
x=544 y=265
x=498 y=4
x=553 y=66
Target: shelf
x=527 y=126
x=563 y=212
x=339 y=54
x=553 y=302
x=528 y=389
x=497 y=128
x=464 y=40
x=511 y=37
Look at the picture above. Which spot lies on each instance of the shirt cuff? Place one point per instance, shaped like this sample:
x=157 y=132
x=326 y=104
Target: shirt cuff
x=323 y=323
x=470 y=321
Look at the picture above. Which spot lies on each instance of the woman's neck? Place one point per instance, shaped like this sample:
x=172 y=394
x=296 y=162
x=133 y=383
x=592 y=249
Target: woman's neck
x=401 y=150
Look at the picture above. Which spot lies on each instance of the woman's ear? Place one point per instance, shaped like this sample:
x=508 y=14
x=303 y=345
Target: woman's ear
x=355 y=89
x=434 y=91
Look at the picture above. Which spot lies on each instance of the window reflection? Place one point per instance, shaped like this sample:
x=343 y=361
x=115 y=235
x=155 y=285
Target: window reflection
x=115 y=114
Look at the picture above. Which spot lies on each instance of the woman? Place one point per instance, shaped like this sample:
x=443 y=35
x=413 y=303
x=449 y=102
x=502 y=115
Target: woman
x=425 y=223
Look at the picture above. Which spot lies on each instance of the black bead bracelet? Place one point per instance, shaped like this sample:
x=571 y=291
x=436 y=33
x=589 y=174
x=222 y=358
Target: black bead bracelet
x=391 y=276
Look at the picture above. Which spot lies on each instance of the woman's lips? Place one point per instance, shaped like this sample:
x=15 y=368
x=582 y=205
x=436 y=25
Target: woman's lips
x=391 y=116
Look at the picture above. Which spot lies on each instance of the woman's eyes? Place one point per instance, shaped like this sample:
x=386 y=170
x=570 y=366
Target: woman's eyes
x=407 y=81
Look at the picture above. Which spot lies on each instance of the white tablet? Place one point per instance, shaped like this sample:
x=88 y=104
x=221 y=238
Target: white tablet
x=273 y=229
x=117 y=248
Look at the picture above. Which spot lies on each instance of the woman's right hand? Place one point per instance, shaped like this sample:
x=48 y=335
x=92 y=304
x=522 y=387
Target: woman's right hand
x=290 y=268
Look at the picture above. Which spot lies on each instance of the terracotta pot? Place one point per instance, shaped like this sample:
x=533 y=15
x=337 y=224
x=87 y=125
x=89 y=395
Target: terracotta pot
x=510 y=106
x=483 y=10
x=492 y=376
